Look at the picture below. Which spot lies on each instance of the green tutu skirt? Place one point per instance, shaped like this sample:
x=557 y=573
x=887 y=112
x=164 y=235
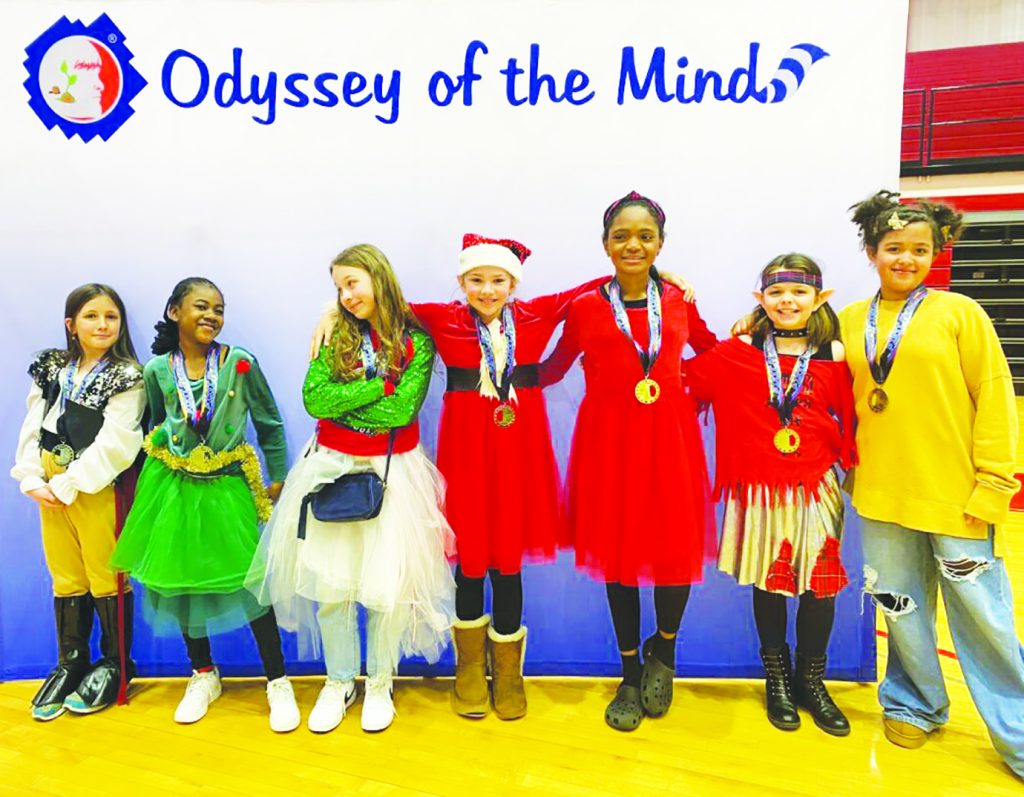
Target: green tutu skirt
x=189 y=541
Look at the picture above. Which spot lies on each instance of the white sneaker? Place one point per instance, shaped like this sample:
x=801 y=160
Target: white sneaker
x=284 y=713
x=203 y=688
x=378 y=710
x=329 y=711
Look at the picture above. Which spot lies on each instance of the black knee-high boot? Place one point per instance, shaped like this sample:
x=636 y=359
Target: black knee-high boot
x=74 y=625
x=99 y=688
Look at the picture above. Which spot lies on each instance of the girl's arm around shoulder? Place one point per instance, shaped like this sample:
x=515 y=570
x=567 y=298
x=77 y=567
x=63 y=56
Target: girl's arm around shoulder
x=838 y=351
x=555 y=306
x=263 y=409
x=566 y=350
x=403 y=398
x=701 y=338
x=115 y=448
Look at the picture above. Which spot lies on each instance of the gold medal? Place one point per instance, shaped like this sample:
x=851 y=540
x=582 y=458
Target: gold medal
x=878 y=400
x=504 y=414
x=647 y=391
x=787 y=440
x=63 y=454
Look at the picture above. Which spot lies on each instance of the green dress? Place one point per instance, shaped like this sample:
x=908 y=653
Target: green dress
x=193 y=529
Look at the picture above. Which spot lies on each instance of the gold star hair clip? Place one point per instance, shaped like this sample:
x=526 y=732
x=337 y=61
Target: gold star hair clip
x=895 y=222
x=945 y=230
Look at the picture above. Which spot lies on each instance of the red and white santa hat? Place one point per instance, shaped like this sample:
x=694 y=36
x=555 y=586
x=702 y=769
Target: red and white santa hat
x=500 y=252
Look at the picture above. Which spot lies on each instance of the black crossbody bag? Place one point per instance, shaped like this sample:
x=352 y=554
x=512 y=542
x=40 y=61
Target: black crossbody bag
x=351 y=497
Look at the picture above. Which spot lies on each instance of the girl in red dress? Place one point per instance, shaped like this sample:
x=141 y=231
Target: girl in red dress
x=783 y=402
x=495 y=441
x=638 y=497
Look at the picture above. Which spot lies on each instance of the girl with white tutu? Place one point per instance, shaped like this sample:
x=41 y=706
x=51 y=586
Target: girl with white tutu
x=366 y=388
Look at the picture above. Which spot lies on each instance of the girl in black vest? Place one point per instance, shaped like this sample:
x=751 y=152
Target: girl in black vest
x=82 y=432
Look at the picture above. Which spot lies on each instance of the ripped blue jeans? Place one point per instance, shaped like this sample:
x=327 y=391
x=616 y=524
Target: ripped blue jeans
x=902 y=571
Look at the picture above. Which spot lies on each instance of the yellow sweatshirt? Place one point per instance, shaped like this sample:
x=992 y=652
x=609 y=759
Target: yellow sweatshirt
x=946 y=444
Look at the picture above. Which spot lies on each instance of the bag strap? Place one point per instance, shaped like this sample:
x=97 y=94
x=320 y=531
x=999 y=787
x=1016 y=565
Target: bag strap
x=303 y=511
x=387 y=465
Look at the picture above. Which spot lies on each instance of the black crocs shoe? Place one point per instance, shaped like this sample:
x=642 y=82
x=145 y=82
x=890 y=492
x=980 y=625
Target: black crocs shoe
x=625 y=711
x=655 y=683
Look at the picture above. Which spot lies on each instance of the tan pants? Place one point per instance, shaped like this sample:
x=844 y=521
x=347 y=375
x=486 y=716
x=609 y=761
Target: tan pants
x=78 y=541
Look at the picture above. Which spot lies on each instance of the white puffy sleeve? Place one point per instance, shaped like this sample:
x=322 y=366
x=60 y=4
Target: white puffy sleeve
x=27 y=470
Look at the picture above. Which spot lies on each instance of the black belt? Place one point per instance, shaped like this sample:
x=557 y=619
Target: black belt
x=467 y=379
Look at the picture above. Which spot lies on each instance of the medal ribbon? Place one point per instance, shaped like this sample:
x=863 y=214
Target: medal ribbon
x=203 y=414
x=70 y=393
x=647 y=358
x=784 y=400
x=483 y=335
x=881 y=364
x=368 y=355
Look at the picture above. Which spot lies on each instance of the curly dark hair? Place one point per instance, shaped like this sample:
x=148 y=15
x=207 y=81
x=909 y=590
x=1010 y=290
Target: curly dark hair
x=877 y=215
x=167 y=330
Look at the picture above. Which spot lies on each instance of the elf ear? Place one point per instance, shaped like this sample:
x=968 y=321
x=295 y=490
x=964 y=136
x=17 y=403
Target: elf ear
x=758 y=297
x=823 y=296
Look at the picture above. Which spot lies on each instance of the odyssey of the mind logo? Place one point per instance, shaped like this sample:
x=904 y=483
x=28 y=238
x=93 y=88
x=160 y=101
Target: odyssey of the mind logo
x=80 y=78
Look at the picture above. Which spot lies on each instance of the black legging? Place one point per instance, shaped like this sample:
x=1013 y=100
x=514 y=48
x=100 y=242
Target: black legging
x=814 y=619
x=268 y=641
x=624 y=602
x=506 y=599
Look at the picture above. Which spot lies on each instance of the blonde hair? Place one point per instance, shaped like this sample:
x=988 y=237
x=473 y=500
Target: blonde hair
x=393 y=315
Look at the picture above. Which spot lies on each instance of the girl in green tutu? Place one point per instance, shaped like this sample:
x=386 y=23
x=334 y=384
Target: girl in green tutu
x=194 y=527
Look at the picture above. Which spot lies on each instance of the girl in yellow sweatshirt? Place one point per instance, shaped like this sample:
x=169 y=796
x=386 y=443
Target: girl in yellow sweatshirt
x=937 y=431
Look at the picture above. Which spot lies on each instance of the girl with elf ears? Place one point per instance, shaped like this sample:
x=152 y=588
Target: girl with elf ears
x=491 y=345
x=365 y=388
x=639 y=504
x=193 y=530
x=783 y=417
x=936 y=436
x=80 y=436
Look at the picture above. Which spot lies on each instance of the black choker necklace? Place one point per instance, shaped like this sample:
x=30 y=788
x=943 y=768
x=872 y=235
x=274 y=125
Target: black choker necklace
x=790 y=333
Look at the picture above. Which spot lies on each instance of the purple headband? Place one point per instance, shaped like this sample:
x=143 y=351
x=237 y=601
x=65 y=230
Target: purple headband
x=791 y=276
x=633 y=196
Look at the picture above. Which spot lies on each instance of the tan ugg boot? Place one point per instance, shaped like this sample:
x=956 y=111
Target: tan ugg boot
x=470 y=697
x=507 y=654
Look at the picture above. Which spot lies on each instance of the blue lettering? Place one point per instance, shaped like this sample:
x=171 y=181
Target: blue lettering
x=655 y=75
x=299 y=98
x=464 y=82
x=511 y=72
x=168 y=70
x=352 y=85
x=701 y=78
x=575 y=82
x=750 y=73
x=389 y=95
x=450 y=87
x=327 y=98
x=538 y=78
x=232 y=79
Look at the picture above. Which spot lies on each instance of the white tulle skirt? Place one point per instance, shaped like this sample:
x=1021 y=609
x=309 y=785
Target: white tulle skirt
x=395 y=564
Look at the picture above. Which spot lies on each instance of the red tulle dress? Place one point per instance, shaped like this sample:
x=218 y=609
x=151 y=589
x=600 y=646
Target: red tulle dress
x=503 y=483
x=639 y=508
